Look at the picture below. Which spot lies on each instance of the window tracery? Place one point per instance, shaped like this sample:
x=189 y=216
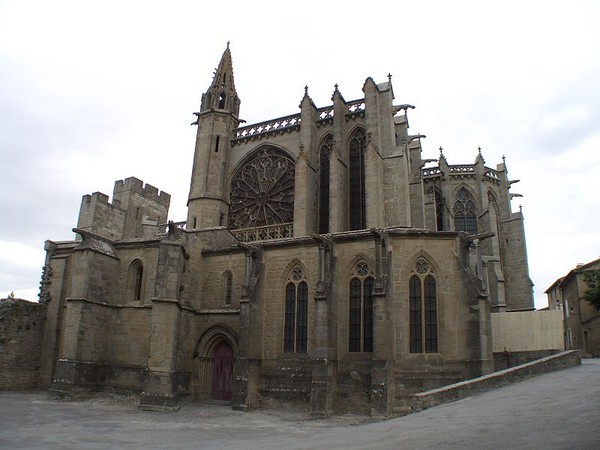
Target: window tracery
x=423 y=308
x=360 y=338
x=324 y=155
x=465 y=212
x=358 y=214
x=295 y=337
x=262 y=191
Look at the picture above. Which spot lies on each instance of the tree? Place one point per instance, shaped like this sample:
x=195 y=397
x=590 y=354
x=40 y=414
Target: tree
x=592 y=293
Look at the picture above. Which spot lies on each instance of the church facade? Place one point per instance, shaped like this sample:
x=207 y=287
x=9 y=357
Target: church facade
x=323 y=263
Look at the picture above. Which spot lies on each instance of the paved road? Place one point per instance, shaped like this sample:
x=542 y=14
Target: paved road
x=560 y=410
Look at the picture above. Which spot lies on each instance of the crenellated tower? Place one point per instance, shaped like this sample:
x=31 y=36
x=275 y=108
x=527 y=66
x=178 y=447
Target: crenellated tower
x=208 y=202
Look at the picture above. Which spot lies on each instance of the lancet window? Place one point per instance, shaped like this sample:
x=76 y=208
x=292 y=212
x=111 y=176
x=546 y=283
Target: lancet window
x=465 y=212
x=361 y=309
x=135 y=279
x=358 y=210
x=324 y=155
x=227 y=287
x=295 y=337
x=423 y=309
x=439 y=209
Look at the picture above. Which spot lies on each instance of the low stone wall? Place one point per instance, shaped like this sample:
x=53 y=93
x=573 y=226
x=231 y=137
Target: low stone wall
x=21 y=334
x=514 y=359
x=285 y=383
x=80 y=377
x=467 y=388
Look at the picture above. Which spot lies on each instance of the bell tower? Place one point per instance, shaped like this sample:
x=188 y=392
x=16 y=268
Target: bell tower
x=208 y=203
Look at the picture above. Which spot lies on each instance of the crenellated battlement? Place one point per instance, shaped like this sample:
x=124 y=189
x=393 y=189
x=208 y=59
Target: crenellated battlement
x=147 y=191
x=98 y=197
x=136 y=210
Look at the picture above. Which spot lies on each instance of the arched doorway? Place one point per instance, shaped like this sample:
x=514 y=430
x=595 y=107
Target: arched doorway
x=212 y=376
x=222 y=375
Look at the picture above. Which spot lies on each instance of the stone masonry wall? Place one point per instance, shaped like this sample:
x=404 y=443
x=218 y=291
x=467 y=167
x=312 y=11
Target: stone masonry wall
x=518 y=284
x=592 y=334
x=21 y=333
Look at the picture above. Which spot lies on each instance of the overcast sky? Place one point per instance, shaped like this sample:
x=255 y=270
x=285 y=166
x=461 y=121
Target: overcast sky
x=93 y=92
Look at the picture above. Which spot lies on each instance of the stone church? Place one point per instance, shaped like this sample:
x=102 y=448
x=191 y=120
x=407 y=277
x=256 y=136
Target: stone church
x=324 y=264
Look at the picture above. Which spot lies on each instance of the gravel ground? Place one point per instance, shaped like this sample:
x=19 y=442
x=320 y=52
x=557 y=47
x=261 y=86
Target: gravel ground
x=559 y=410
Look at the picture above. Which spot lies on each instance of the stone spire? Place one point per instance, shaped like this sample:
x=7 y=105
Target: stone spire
x=221 y=95
x=218 y=118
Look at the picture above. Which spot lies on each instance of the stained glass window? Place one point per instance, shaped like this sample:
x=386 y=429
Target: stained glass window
x=295 y=337
x=439 y=209
x=324 y=155
x=423 y=309
x=262 y=190
x=360 y=326
x=358 y=213
x=465 y=212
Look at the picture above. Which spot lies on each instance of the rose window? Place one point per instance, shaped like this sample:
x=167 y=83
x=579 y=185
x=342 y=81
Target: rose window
x=262 y=191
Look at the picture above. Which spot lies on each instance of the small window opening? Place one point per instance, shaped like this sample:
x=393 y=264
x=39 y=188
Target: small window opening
x=222 y=98
x=217 y=144
x=138 y=283
x=136 y=277
x=228 y=278
x=194 y=223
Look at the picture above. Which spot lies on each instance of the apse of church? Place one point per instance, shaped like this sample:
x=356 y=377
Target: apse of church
x=323 y=264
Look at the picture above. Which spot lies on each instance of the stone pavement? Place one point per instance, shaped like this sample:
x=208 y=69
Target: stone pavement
x=558 y=410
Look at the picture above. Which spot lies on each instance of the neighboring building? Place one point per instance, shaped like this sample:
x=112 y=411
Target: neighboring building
x=321 y=264
x=581 y=318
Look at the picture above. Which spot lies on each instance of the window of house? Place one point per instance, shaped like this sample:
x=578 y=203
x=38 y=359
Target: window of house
x=465 y=212
x=296 y=312
x=423 y=309
x=358 y=212
x=360 y=328
x=324 y=155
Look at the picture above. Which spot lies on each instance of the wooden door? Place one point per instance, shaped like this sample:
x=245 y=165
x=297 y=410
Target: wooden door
x=222 y=372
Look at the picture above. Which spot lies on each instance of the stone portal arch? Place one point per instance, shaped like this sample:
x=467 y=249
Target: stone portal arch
x=214 y=359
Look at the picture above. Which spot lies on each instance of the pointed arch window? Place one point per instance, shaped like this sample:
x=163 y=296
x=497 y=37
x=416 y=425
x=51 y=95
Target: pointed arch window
x=227 y=287
x=465 y=212
x=295 y=337
x=439 y=209
x=135 y=280
x=494 y=205
x=358 y=211
x=360 y=329
x=324 y=155
x=423 y=309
